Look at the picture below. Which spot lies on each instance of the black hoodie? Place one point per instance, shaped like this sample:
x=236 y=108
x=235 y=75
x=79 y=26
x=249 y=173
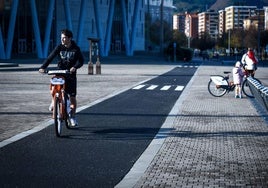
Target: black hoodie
x=68 y=57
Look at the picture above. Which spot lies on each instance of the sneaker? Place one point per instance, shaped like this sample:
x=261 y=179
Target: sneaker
x=50 y=108
x=236 y=96
x=73 y=122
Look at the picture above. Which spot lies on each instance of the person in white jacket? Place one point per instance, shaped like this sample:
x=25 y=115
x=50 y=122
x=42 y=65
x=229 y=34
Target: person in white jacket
x=238 y=79
x=249 y=62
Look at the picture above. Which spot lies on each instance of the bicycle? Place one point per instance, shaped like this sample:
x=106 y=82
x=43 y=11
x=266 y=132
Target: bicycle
x=61 y=107
x=219 y=85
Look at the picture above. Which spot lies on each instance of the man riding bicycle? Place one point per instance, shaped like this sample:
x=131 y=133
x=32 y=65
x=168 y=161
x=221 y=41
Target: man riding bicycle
x=70 y=58
x=249 y=62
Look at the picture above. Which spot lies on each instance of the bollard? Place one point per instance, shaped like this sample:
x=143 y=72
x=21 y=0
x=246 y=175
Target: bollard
x=98 y=67
x=90 y=64
x=94 y=50
x=90 y=67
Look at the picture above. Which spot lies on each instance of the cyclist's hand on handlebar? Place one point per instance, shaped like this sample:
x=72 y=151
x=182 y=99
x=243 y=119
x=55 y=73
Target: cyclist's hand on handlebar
x=73 y=69
x=42 y=70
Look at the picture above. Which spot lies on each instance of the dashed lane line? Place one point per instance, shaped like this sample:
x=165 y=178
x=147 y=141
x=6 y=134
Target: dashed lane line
x=154 y=87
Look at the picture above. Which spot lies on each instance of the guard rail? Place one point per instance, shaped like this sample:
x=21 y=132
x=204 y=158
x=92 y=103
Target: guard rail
x=259 y=91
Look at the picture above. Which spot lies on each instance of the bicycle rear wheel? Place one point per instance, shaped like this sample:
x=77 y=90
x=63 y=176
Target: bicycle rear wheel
x=57 y=117
x=246 y=89
x=216 y=90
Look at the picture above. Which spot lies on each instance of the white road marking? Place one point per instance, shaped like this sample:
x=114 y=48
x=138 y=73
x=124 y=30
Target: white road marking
x=165 y=88
x=152 y=87
x=138 y=87
x=179 y=88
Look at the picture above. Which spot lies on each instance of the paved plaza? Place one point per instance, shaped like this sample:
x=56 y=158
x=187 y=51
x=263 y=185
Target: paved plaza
x=205 y=141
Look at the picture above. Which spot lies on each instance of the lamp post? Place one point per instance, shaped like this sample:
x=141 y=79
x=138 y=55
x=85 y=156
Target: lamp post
x=189 y=31
x=216 y=35
x=229 y=40
x=259 y=35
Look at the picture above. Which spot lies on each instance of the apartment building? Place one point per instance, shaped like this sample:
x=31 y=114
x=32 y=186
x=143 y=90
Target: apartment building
x=235 y=16
x=265 y=17
x=191 y=25
x=179 y=22
x=221 y=22
x=256 y=21
x=208 y=22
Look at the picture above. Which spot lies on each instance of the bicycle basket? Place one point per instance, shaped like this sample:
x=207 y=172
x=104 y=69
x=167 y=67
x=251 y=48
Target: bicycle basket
x=56 y=80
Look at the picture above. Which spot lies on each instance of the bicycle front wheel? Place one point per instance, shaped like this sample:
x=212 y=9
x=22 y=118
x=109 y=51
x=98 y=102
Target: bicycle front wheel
x=67 y=116
x=246 y=89
x=57 y=117
x=216 y=90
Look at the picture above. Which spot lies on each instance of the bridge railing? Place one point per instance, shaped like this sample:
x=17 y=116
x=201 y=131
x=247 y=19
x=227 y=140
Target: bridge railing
x=259 y=91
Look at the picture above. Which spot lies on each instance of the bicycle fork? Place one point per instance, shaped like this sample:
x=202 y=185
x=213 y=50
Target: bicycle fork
x=58 y=99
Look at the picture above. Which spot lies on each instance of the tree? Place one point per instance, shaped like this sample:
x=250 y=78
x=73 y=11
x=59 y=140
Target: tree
x=155 y=32
x=180 y=38
x=205 y=42
x=251 y=37
x=264 y=38
x=237 y=38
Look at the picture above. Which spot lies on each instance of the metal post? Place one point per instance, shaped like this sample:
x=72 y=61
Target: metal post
x=161 y=27
x=259 y=36
x=229 y=50
x=90 y=64
x=174 y=51
x=189 y=31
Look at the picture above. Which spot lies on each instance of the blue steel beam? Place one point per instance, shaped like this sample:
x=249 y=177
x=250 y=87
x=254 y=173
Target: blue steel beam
x=36 y=30
x=11 y=28
x=128 y=41
x=2 y=47
x=48 y=27
x=81 y=22
x=134 y=25
x=98 y=24
x=66 y=4
x=125 y=28
x=109 y=28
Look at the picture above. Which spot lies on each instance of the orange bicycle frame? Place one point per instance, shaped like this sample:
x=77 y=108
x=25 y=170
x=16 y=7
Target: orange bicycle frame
x=57 y=90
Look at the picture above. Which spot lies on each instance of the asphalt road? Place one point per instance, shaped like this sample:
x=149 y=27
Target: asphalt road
x=110 y=138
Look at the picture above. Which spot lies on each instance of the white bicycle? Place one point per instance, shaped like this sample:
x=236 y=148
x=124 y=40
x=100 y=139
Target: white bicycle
x=219 y=85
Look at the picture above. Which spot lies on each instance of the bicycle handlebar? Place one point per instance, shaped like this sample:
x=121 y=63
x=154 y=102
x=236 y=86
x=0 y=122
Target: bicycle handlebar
x=57 y=72
x=54 y=72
